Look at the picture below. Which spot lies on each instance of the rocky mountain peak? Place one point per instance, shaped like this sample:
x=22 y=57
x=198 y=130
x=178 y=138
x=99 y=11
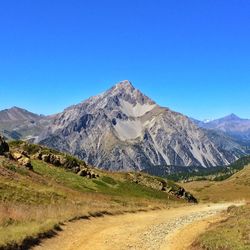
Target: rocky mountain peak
x=232 y=117
x=126 y=92
x=123 y=129
x=17 y=114
x=125 y=85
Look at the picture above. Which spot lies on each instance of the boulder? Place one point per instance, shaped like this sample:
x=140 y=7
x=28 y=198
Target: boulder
x=4 y=147
x=16 y=155
x=62 y=160
x=83 y=173
x=55 y=160
x=22 y=158
x=25 y=161
x=87 y=173
x=46 y=158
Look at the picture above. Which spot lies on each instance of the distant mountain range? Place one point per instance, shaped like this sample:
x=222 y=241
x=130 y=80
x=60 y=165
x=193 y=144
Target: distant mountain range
x=122 y=129
x=231 y=125
x=17 y=123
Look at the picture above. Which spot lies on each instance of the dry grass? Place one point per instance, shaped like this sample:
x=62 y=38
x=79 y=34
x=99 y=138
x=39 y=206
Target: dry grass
x=234 y=231
x=36 y=202
x=231 y=233
x=237 y=187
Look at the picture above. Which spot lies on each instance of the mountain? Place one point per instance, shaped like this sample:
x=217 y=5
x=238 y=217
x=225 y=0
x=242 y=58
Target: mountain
x=17 y=123
x=122 y=129
x=17 y=114
x=231 y=125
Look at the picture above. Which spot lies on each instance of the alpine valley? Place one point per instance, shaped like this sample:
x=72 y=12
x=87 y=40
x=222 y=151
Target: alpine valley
x=122 y=129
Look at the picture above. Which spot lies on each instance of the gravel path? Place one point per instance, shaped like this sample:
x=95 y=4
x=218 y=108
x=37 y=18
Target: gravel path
x=157 y=235
x=146 y=230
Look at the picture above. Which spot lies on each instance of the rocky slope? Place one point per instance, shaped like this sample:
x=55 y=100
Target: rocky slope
x=122 y=129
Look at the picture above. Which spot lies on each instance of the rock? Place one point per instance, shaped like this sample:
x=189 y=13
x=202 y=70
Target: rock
x=88 y=173
x=17 y=155
x=25 y=161
x=54 y=159
x=93 y=175
x=4 y=147
x=231 y=208
x=72 y=164
x=22 y=158
x=62 y=160
x=8 y=155
x=83 y=173
x=46 y=158
x=25 y=153
x=67 y=162
x=37 y=156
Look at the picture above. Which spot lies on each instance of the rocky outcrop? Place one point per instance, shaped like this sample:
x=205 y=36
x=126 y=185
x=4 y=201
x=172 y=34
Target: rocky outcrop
x=4 y=147
x=148 y=181
x=90 y=174
x=161 y=185
x=22 y=158
x=67 y=162
x=181 y=193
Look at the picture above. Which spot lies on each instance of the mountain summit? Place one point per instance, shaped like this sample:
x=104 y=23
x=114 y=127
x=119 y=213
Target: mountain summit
x=123 y=129
x=16 y=114
x=232 y=125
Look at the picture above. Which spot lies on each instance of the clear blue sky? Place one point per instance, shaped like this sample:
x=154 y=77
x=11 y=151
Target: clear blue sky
x=192 y=56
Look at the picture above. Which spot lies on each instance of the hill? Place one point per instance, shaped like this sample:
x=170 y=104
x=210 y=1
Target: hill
x=236 y=187
x=41 y=188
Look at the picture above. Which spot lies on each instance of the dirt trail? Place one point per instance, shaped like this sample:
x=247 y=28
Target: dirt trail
x=160 y=229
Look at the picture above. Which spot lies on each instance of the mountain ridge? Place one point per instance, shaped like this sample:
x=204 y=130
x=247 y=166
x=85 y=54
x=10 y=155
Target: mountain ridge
x=123 y=129
x=232 y=125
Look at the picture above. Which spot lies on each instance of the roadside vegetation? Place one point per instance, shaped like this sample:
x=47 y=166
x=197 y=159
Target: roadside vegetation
x=231 y=233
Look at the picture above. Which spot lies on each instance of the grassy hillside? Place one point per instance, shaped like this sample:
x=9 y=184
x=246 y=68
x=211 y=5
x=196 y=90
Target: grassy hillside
x=37 y=199
x=236 y=187
x=233 y=231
